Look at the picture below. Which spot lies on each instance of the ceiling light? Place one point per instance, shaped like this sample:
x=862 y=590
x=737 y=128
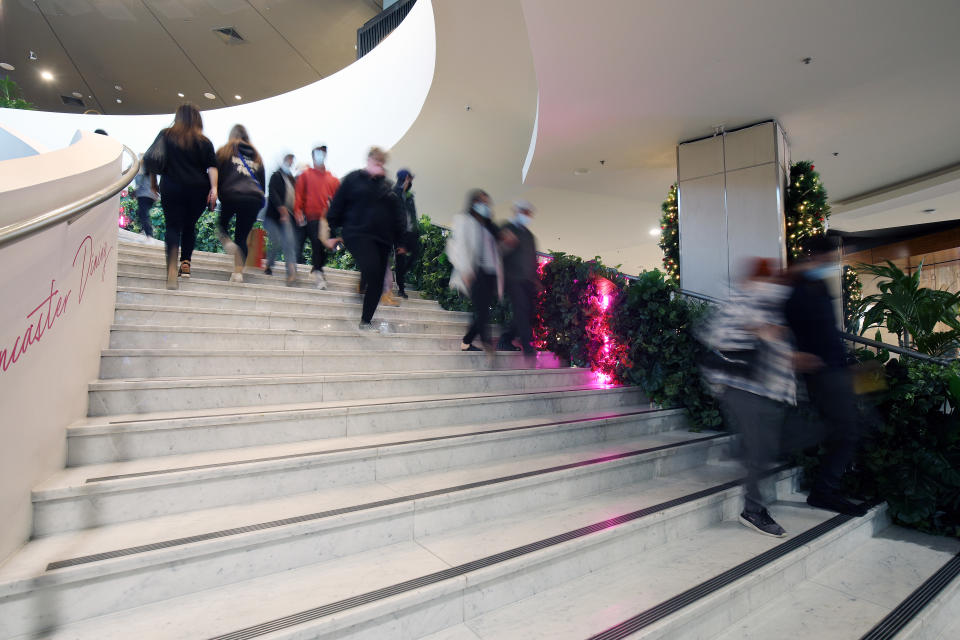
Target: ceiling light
x=77 y=94
x=118 y=87
x=179 y=94
x=238 y=97
x=655 y=231
x=929 y=210
x=33 y=56
x=581 y=172
x=46 y=75
x=7 y=66
x=209 y=96
x=119 y=101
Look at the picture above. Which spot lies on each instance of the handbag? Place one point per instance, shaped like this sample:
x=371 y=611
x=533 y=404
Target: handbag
x=155 y=159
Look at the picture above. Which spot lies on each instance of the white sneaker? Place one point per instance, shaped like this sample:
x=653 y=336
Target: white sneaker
x=236 y=276
x=320 y=281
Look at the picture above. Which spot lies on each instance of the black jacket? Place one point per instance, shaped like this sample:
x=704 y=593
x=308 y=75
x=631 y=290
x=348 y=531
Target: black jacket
x=188 y=167
x=810 y=315
x=235 y=180
x=366 y=207
x=520 y=263
x=277 y=193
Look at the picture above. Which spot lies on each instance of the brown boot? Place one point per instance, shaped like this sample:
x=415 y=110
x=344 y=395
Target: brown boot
x=389 y=300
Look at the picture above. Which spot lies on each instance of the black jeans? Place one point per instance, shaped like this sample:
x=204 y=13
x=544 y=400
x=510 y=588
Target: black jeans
x=482 y=294
x=246 y=209
x=831 y=394
x=144 y=204
x=371 y=258
x=182 y=207
x=311 y=231
x=405 y=262
x=523 y=296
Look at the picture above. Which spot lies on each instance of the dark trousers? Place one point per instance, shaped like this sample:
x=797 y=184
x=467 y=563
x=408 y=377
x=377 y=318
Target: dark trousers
x=311 y=231
x=371 y=258
x=522 y=295
x=831 y=394
x=482 y=294
x=182 y=207
x=144 y=204
x=404 y=263
x=246 y=210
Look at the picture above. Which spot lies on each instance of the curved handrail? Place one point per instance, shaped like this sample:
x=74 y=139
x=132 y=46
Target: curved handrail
x=72 y=211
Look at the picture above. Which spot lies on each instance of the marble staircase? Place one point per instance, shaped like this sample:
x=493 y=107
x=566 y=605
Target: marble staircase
x=253 y=467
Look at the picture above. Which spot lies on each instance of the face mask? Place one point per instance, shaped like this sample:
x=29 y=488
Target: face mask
x=522 y=219
x=318 y=157
x=481 y=209
x=287 y=169
x=819 y=273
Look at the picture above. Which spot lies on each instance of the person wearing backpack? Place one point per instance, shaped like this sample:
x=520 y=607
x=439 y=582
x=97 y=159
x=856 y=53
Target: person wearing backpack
x=241 y=194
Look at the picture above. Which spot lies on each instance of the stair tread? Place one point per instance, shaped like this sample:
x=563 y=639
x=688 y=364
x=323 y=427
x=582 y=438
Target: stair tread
x=155 y=420
x=400 y=561
x=78 y=476
x=39 y=552
x=849 y=597
x=159 y=308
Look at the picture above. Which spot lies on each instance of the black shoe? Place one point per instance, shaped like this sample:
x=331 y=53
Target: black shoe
x=403 y=294
x=835 y=502
x=267 y=271
x=761 y=522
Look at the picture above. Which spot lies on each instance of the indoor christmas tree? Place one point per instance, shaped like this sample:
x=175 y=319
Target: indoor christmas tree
x=852 y=294
x=670 y=235
x=807 y=210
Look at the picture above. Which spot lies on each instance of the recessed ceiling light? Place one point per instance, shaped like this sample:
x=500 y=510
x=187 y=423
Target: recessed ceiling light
x=33 y=56
x=118 y=87
x=7 y=66
x=179 y=94
x=77 y=94
x=209 y=96
x=238 y=97
x=119 y=101
x=581 y=172
x=655 y=231
x=46 y=75
x=929 y=210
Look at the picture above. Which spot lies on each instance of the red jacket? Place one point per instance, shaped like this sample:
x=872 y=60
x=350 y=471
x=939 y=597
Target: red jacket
x=315 y=189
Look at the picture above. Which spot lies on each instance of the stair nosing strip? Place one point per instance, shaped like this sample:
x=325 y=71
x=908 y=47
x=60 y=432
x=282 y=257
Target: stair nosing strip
x=686 y=598
x=907 y=610
x=481 y=563
x=307 y=454
x=223 y=533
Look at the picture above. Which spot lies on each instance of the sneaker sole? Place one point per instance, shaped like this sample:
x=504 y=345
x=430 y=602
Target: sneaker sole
x=750 y=525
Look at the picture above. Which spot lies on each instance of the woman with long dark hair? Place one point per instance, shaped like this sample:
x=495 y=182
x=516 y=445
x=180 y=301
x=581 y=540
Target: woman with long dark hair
x=188 y=185
x=241 y=178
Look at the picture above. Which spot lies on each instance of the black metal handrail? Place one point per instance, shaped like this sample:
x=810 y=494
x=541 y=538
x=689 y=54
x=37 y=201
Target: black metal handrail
x=381 y=25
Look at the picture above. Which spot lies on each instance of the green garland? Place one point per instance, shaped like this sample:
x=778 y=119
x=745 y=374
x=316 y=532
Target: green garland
x=670 y=235
x=807 y=210
x=852 y=294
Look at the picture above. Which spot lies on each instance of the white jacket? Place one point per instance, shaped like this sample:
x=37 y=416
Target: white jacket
x=463 y=251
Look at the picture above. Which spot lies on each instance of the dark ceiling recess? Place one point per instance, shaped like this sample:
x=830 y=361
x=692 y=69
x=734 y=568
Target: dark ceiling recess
x=381 y=25
x=72 y=101
x=229 y=35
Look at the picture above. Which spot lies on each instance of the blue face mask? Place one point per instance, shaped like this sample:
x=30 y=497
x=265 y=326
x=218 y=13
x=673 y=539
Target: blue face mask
x=522 y=219
x=319 y=156
x=481 y=209
x=819 y=273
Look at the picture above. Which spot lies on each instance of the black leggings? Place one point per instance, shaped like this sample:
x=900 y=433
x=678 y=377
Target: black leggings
x=482 y=293
x=371 y=258
x=246 y=210
x=182 y=207
x=311 y=231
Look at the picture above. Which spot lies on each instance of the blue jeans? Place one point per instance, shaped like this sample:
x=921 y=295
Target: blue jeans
x=281 y=237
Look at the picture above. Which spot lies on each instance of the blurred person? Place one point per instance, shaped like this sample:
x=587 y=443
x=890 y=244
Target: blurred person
x=411 y=231
x=188 y=185
x=477 y=267
x=367 y=213
x=315 y=188
x=146 y=198
x=811 y=317
x=278 y=219
x=521 y=282
x=241 y=180
x=751 y=362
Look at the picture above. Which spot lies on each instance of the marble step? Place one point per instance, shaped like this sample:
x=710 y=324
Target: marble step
x=123 y=491
x=274 y=340
x=275 y=302
x=322 y=319
x=648 y=583
x=119 y=438
x=127 y=278
x=311 y=562
x=847 y=598
x=126 y=396
x=169 y=363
